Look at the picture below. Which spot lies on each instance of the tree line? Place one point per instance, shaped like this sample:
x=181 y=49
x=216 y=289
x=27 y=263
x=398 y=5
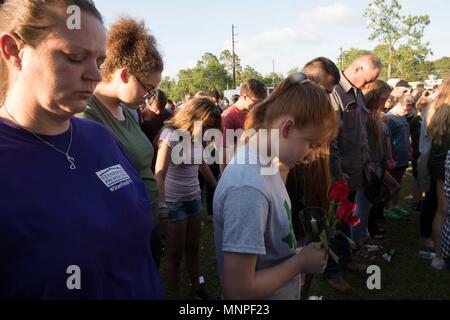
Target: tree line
x=214 y=73
x=400 y=46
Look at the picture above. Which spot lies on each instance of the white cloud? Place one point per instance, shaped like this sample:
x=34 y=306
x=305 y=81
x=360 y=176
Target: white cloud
x=261 y=48
x=315 y=29
x=274 y=38
x=335 y=14
x=279 y=36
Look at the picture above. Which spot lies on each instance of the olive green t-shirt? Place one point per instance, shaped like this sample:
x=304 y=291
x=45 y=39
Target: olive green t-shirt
x=134 y=142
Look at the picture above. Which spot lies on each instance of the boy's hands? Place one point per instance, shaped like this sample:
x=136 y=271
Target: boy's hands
x=313 y=259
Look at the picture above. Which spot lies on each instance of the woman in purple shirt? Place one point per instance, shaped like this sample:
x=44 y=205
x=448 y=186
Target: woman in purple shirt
x=74 y=220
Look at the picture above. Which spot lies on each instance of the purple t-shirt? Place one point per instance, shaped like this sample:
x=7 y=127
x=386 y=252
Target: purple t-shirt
x=181 y=182
x=73 y=234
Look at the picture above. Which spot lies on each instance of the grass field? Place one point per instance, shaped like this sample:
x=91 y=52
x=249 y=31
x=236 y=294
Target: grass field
x=406 y=277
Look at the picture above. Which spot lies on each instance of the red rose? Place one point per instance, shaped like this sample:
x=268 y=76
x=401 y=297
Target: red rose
x=353 y=221
x=339 y=191
x=345 y=211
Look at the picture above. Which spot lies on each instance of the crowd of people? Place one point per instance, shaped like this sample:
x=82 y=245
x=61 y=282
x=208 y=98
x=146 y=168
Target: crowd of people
x=101 y=170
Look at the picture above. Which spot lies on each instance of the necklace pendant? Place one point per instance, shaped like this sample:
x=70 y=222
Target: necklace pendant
x=71 y=161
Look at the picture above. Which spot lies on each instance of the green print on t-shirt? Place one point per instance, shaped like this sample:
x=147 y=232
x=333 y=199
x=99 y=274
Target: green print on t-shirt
x=290 y=238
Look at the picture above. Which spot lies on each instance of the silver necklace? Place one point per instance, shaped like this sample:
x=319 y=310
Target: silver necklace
x=70 y=159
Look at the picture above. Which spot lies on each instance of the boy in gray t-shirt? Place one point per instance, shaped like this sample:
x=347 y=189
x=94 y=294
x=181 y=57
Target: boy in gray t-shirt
x=252 y=215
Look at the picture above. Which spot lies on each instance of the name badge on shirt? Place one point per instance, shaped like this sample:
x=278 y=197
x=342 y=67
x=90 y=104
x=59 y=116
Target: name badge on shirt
x=114 y=177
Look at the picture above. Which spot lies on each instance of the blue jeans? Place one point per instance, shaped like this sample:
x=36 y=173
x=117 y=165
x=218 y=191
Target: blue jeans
x=341 y=248
x=362 y=212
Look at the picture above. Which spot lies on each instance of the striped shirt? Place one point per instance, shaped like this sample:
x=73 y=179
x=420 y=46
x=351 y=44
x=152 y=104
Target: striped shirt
x=445 y=244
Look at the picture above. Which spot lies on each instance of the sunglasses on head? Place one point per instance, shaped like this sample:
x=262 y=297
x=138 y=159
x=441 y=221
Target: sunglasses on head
x=301 y=78
x=298 y=78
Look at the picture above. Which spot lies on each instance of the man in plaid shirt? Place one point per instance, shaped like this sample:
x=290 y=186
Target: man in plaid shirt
x=445 y=244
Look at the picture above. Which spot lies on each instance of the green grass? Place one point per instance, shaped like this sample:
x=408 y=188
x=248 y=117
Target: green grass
x=406 y=277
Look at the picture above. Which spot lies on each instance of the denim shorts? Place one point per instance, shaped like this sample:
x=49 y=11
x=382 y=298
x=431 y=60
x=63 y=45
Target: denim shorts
x=182 y=210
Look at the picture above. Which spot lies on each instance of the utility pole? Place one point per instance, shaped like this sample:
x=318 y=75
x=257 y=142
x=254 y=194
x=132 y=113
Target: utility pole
x=233 y=41
x=273 y=73
x=342 y=59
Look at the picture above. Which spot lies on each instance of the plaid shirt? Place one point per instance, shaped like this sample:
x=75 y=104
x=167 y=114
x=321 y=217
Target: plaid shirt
x=445 y=245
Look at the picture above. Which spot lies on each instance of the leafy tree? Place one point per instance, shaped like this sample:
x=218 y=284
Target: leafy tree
x=409 y=63
x=273 y=79
x=226 y=58
x=250 y=73
x=293 y=70
x=425 y=69
x=168 y=85
x=210 y=74
x=441 y=67
x=397 y=33
x=184 y=84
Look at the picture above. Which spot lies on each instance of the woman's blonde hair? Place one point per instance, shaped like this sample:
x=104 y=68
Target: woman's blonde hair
x=300 y=98
x=130 y=45
x=438 y=118
x=422 y=104
x=407 y=100
x=196 y=109
x=31 y=21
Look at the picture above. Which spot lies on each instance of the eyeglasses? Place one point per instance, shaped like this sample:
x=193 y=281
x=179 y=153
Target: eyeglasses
x=149 y=93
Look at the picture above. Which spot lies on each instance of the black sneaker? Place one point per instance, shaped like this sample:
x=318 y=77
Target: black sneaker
x=201 y=294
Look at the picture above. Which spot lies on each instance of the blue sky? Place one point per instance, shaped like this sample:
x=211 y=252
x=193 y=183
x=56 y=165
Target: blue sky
x=291 y=32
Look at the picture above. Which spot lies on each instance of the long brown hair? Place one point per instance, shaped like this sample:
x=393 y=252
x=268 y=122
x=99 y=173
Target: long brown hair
x=439 y=115
x=196 y=109
x=372 y=95
x=30 y=21
x=317 y=180
x=159 y=100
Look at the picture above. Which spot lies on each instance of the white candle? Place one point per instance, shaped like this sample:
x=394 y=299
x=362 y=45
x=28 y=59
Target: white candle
x=314 y=227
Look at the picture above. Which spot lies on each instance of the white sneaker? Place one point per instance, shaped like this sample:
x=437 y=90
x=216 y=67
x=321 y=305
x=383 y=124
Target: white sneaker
x=438 y=263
